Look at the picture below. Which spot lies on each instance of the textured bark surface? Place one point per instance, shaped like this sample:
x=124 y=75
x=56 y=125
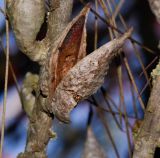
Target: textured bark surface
x=148 y=137
x=39 y=133
x=92 y=148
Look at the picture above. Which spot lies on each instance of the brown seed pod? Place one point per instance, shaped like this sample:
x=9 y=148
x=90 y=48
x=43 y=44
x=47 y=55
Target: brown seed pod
x=64 y=54
x=84 y=78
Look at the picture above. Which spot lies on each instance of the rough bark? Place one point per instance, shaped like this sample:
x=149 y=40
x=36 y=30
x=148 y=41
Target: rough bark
x=148 y=137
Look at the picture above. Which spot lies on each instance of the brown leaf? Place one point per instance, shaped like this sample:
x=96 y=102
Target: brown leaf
x=92 y=148
x=84 y=78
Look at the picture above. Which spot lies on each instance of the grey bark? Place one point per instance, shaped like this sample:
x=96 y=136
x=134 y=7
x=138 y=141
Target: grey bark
x=148 y=137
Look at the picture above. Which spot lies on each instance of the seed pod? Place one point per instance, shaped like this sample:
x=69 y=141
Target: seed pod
x=64 y=54
x=84 y=78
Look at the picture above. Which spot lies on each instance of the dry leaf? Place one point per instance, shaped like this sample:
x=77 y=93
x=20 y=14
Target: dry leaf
x=92 y=148
x=84 y=78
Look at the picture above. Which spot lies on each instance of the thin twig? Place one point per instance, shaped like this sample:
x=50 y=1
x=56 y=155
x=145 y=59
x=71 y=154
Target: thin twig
x=149 y=65
x=113 y=22
x=133 y=82
x=5 y=85
x=2 y=11
x=134 y=99
x=114 y=112
x=96 y=27
x=111 y=111
x=119 y=31
x=120 y=79
x=117 y=9
x=101 y=116
x=144 y=88
x=137 y=53
x=11 y=68
x=122 y=92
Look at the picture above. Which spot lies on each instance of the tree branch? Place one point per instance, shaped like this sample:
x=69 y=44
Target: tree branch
x=155 y=7
x=26 y=18
x=58 y=18
x=148 y=137
x=40 y=132
x=27 y=24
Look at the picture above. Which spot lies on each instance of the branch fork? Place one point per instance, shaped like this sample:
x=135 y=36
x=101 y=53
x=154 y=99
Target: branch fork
x=67 y=75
